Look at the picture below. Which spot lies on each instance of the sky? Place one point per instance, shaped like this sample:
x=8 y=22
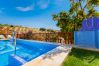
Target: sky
x=32 y=13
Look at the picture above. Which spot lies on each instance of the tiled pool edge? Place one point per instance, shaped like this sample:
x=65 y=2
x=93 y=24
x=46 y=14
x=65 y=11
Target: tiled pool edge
x=54 y=57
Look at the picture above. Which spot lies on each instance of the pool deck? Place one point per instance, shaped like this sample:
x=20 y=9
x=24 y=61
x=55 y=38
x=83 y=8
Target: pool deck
x=54 y=57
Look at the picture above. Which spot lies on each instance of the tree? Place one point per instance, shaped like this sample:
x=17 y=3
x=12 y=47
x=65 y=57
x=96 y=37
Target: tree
x=79 y=10
x=50 y=30
x=64 y=21
x=42 y=29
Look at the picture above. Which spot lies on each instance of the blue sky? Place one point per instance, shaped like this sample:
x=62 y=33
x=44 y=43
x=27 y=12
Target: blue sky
x=31 y=13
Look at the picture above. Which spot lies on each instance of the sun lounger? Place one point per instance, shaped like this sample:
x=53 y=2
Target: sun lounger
x=2 y=37
x=9 y=36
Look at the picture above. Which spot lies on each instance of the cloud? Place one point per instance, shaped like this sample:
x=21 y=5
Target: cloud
x=2 y=10
x=43 y=4
x=40 y=4
x=25 y=9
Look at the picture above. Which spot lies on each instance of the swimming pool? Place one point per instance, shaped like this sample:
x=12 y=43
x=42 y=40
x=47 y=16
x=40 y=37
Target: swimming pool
x=26 y=50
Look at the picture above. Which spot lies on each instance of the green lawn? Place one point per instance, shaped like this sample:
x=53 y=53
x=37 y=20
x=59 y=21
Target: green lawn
x=79 y=57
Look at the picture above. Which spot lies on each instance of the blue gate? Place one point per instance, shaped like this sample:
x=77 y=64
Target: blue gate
x=88 y=36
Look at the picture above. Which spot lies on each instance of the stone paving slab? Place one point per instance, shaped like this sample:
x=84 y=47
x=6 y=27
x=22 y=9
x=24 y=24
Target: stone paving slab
x=52 y=58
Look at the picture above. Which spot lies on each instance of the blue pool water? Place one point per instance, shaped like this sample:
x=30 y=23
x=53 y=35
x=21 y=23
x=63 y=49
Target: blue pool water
x=27 y=50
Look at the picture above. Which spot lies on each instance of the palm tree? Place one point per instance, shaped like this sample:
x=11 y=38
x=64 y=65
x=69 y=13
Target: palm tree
x=80 y=10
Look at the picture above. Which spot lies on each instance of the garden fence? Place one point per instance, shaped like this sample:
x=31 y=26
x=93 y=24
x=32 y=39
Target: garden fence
x=48 y=37
x=86 y=39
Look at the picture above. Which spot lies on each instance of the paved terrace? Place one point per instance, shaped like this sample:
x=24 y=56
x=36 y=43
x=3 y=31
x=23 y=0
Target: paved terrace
x=52 y=58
